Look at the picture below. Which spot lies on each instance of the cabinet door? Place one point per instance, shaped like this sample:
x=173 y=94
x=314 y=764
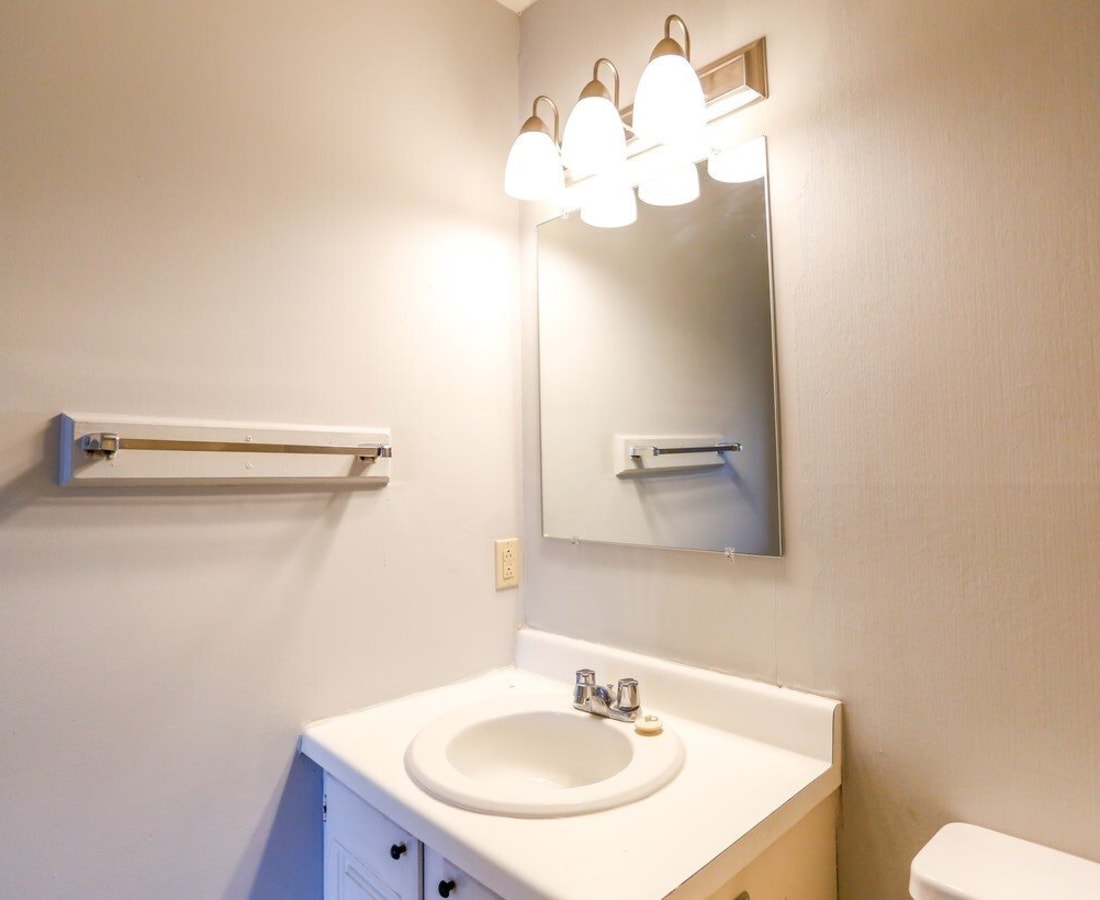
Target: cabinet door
x=367 y=857
x=442 y=879
x=801 y=864
x=354 y=880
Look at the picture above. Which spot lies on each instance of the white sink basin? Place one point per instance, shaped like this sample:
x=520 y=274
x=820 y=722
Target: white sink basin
x=535 y=756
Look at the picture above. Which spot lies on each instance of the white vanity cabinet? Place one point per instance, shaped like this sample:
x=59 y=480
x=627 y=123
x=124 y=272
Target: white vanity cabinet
x=368 y=857
x=444 y=879
x=752 y=811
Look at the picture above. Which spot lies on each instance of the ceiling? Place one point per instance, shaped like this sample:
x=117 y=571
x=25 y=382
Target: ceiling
x=517 y=5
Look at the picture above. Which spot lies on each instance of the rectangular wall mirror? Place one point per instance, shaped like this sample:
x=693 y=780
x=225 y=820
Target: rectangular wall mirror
x=656 y=340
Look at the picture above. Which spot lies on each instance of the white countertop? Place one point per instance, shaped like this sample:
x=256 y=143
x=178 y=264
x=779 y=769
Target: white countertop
x=735 y=795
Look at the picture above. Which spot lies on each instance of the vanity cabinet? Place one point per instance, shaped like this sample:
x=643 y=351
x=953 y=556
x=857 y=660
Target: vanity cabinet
x=368 y=857
x=801 y=864
x=753 y=810
x=444 y=879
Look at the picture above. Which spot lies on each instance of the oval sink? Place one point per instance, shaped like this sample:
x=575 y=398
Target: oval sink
x=536 y=756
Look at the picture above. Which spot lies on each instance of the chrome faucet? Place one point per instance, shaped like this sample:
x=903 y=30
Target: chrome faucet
x=610 y=701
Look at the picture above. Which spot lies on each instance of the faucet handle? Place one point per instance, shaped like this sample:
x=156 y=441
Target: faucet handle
x=628 y=694
x=582 y=691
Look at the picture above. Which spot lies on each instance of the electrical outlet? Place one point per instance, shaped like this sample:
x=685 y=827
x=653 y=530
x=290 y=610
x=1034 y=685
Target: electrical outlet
x=507 y=563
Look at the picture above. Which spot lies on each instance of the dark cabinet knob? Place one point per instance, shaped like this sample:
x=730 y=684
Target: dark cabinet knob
x=445 y=888
x=396 y=850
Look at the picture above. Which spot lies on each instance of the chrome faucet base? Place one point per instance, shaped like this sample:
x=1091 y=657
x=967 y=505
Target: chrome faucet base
x=601 y=708
x=619 y=702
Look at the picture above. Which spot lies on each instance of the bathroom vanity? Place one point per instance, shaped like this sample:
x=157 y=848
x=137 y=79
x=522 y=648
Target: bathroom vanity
x=749 y=806
x=369 y=855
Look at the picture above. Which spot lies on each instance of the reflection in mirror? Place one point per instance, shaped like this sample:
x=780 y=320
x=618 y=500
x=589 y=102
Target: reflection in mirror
x=658 y=337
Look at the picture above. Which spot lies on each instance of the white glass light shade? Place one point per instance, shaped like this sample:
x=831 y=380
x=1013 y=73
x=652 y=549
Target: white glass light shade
x=611 y=209
x=680 y=185
x=737 y=165
x=669 y=106
x=594 y=140
x=534 y=169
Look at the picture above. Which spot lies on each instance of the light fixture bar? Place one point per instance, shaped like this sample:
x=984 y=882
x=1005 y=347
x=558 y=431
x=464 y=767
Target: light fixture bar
x=742 y=68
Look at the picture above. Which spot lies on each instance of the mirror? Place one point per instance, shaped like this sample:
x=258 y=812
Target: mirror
x=656 y=340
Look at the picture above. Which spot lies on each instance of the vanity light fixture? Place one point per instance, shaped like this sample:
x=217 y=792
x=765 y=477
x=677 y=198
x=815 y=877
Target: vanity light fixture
x=610 y=206
x=678 y=118
x=534 y=170
x=672 y=188
x=594 y=141
x=738 y=165
x=669 y=106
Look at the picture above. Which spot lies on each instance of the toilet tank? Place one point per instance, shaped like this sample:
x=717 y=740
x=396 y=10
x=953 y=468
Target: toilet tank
x=965 y=862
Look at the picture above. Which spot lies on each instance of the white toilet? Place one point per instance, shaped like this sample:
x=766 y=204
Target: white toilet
x=965 y=862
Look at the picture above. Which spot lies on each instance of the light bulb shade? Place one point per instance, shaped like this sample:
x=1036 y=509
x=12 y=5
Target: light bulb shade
x=738 y=165
x=534 y=169
x=669 y=106
x=594 y=140
x=612 y=208
x=680 y=185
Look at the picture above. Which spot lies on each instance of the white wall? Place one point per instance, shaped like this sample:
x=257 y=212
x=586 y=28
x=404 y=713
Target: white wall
x=934 y=192
x=283 y=212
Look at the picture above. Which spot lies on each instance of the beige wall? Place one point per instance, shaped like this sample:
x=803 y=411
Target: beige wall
x=248 y=211
x=934 y=186
x=285 y=212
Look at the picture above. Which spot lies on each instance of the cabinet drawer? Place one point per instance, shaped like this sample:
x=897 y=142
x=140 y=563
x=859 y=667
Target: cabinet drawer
x=439 y=875
x=366 y=855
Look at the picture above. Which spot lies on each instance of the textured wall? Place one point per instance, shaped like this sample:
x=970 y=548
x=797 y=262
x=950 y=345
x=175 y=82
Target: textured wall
x=280 y=212
x=934 y=187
